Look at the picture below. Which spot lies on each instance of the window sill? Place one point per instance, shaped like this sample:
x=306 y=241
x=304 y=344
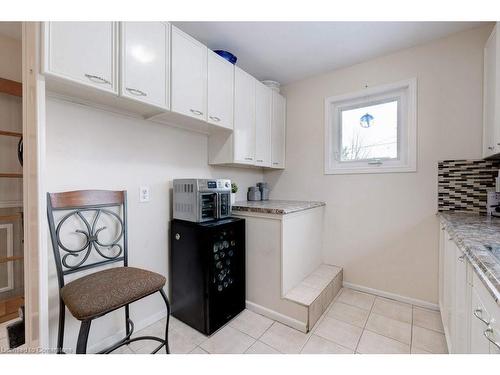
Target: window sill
x=371 y=170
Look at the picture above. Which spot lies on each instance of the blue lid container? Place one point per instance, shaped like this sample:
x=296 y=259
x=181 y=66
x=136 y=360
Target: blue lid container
x=226 y=55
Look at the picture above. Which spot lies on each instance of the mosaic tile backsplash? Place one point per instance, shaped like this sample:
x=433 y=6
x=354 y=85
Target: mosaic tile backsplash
x=463 y=184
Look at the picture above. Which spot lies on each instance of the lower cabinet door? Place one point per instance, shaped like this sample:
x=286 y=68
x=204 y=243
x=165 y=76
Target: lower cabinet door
x=462 y=299
x=479 y=344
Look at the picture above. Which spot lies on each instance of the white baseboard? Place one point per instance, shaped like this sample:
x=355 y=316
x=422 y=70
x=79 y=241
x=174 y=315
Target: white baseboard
x=141 y=324
x=397 y=297
x=271 y=314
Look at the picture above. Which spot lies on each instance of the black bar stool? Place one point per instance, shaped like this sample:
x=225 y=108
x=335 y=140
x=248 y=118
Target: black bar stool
x=96 y=294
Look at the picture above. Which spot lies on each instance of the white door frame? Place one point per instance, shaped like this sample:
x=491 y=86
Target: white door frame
x=35 y=231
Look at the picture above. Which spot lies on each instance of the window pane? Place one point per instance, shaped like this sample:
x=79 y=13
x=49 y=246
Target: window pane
x=370 y=132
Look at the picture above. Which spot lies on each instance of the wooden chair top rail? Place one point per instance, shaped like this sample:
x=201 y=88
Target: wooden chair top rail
x=84 y=198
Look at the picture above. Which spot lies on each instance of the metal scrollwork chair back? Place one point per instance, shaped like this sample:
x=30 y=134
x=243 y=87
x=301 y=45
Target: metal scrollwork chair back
x=76 y=204
x=89 y=211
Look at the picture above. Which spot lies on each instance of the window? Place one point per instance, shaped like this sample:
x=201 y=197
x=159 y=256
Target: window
x=372 y=131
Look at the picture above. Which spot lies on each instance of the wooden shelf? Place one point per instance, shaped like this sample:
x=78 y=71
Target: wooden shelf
x=11 y=175
x=9 y=308
x=10 y=259
x=10 y=134
x=10 y=217
x=11 y=87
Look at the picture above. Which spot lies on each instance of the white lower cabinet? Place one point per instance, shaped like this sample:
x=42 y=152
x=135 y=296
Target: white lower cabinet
x=461 y=304
x=478 y=343
x=471 y=317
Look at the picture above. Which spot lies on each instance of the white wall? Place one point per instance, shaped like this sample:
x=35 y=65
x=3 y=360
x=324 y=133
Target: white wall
x=93 y=149
x=11 y=189
x=382 y=228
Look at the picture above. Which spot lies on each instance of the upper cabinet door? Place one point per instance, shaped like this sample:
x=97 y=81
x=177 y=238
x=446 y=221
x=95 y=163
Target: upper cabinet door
x=244 y=117
x=83 y=52
x=278 y=131
x=145 y=62
x=263 y=114
x=220 y=91
x=491 y=115
x=189 y=75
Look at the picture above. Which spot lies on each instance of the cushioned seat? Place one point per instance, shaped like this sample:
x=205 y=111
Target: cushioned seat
x=104 y=291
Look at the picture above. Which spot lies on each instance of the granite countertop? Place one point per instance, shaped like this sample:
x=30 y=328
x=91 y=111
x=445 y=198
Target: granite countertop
x=475 y=235
x=276 y=207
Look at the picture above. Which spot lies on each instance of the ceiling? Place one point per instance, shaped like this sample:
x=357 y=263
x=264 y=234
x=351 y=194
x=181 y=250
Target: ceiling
x=290 y=51
x=11 y=29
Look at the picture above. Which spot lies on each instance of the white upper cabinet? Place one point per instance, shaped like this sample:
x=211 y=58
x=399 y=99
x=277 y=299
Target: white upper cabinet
x=189 y=75
x=244 y=117
x=145 y=62
x=82 y=52
x=278 y=131
x=491 y=95
x=220 y=91
x=263 y=114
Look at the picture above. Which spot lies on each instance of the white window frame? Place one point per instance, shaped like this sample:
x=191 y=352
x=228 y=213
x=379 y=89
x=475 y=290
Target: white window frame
x=10 y=252
x=406 y=94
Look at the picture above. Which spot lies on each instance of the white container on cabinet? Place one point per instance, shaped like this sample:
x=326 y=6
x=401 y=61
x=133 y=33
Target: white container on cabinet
x=189 y=76
x=145 y=62
x=82 y=52
x=220 y=91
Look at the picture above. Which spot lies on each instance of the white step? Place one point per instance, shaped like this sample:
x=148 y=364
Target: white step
x=317 y=291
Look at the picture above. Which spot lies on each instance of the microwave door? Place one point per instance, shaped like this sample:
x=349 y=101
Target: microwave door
x=208 y=206
x=224 y=205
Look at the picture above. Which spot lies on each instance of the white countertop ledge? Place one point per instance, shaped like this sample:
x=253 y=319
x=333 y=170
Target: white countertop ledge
x=276 y=207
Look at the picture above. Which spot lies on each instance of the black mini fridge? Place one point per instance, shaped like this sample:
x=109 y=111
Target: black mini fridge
x=207 y=272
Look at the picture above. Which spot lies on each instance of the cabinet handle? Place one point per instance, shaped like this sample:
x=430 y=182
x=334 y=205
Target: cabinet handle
x=487 y=332
x=260 y=161
x=275 y=163
x=136 y=92
x=196 y=112
x=248 y=158
x=478 y=314
x=491 y=148
x=215 y=118
x=97 y=79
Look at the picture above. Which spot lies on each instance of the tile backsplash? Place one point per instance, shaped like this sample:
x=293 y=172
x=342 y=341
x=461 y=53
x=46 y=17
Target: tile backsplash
x=463 y=184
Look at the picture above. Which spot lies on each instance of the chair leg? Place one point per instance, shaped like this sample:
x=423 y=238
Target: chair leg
x=83 y=336
x=165 y=298
x=127 y=317
x=60 y=331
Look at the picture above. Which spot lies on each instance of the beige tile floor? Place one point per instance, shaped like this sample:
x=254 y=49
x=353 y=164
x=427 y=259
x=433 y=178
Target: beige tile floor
x=355 y=322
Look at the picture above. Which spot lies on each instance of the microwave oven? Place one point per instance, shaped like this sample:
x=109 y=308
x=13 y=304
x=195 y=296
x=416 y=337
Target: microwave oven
x=200 y=200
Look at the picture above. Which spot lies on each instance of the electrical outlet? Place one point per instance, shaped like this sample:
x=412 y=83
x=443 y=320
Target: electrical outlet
x=144 y=194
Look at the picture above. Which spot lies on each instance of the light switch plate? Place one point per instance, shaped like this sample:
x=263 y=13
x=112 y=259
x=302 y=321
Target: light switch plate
x=144 y=194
